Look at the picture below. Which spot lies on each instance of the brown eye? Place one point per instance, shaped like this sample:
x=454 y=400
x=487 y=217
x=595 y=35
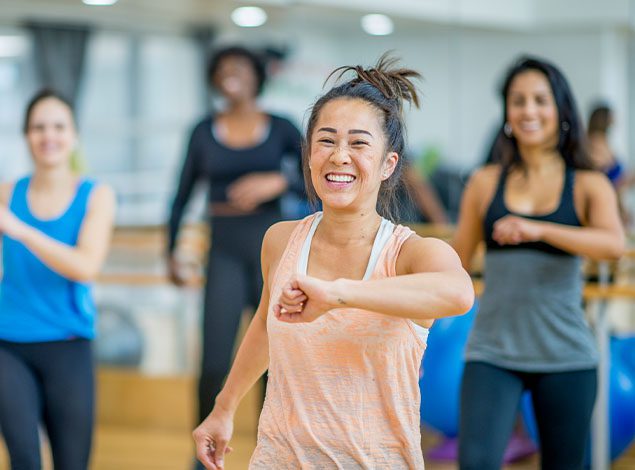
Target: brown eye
x=517 y=101
x=542 y=100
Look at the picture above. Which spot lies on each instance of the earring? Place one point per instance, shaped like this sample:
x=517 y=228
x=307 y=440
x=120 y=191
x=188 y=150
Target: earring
x=507 y=129
x=565 y=126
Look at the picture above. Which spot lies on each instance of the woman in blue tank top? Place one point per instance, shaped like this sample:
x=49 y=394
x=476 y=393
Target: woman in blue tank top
x=55 y=228
x=539 y=209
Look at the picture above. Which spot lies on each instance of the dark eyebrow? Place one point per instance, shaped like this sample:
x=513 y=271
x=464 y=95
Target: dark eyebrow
x=352 y=131
x=359 y=131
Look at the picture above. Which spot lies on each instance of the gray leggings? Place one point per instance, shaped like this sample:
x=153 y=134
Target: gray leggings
x=490 y=396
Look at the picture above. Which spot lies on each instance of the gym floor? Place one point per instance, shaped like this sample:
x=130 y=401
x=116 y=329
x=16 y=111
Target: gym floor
x=144 y=422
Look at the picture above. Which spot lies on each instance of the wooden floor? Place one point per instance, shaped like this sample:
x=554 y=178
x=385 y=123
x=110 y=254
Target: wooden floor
x=124 y=448
x=144 y=423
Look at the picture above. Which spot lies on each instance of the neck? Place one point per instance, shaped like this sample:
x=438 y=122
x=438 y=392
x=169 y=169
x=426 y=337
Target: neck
x=346 y=229
x=52 y=178
x=537 y=160
x=243 y=107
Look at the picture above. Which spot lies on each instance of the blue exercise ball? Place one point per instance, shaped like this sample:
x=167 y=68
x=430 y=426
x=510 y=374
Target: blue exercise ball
x=621 y=402
x=442 y=366
x=621 y=396
x=625 y=348
x=119 y=340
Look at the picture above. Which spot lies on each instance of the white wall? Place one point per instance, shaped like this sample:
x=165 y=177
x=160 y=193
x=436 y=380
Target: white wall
x=463 y=70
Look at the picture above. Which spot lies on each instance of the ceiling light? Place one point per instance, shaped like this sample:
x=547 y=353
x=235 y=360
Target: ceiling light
x=99 y=2
x=377 y=25
x=12 y=46
x=249 y=17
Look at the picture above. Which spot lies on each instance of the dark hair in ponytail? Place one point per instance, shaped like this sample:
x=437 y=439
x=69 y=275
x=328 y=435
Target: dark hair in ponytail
x=385 y=87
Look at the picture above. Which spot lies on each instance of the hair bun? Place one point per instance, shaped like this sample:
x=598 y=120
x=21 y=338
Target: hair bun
x=395 y=83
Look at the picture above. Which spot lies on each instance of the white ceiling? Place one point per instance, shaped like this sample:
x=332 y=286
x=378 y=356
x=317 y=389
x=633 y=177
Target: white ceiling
x=485 y=14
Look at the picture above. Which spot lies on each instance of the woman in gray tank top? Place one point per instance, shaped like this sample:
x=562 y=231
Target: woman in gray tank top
x=539 y=208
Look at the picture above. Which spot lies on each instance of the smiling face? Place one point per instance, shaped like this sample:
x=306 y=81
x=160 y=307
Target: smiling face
x=348 y=159
x=50 y=133
x=532 y=111
x=235 y=78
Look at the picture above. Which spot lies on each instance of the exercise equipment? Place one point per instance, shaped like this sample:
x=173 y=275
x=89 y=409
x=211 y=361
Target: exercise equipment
x=442 y=366
x=119 y=340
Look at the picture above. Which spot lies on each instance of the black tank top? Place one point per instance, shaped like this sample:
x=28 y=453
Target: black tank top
x=564 y=214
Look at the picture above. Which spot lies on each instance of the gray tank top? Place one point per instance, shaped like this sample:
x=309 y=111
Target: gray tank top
x=530 y=316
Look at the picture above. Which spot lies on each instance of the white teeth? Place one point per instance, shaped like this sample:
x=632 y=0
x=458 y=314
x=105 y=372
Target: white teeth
x=530 y=126
x=340 y=178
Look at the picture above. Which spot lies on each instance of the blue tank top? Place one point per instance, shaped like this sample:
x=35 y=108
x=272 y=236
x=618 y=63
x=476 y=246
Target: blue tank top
x=36 y=303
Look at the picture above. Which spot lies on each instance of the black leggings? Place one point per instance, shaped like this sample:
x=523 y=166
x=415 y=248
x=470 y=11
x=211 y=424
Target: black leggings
x=50 y=383
x=234 y=281
x=490 y=396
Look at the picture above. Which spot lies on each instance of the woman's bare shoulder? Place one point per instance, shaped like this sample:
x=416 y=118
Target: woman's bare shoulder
x=486 y=175
x=277 y=238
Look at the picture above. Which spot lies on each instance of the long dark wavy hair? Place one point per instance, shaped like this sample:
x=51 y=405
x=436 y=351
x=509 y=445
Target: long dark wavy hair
x=385 y=87
x=571 y=139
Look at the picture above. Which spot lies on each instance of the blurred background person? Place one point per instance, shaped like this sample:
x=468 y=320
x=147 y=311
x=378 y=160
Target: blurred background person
x=55 y=228
x=239 y=152
x=601 y=119
x=602 y=155
x=539 y=210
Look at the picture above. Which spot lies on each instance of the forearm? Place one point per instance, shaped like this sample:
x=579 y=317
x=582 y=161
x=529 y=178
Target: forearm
x=282 y=183
x=66 y=260
x=250 y=364
x=419 y=296
x=430 y=205
x=594 y=243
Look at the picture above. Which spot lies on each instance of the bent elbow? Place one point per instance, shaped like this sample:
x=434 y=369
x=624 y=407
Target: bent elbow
x=85 y=275
x=464 y=300
x=616 y=250
x=615 y=254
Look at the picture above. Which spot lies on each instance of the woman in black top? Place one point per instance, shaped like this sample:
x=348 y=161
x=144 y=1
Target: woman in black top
x=239 y=153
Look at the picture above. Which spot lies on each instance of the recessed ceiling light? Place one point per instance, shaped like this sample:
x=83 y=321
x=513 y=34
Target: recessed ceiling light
x=12 y=46
x=377 y=25
x=100 y=2
x=249 y=17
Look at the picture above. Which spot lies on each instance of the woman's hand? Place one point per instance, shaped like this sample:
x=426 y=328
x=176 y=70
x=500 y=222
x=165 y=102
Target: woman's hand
x=304 y=299
x=10 y=225
x=253 y=189
x=175 y=272
x=212 y=437
x=512 y=230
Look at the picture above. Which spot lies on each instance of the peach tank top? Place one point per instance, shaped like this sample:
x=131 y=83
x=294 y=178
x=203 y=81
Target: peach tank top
x=343 y=391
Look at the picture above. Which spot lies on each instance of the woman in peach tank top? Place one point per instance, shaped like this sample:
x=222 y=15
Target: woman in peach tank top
x=347 y=300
